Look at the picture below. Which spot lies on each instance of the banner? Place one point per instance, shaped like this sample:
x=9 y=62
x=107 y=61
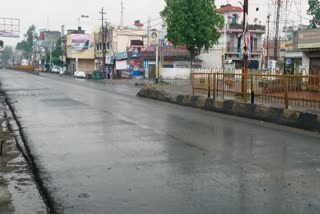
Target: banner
x=154 y=38
x=80 y=42
x=121 y=65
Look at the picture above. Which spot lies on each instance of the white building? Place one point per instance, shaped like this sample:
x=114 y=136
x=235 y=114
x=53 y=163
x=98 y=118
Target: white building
x=228 y=48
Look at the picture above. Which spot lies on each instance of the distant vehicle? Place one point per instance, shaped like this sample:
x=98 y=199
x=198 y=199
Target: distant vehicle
x=55 y=69
x=24 y=62
x=79 y=74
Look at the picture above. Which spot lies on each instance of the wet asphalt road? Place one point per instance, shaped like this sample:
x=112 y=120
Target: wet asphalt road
x=103 y=150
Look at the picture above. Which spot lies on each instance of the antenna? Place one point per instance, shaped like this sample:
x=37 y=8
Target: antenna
x=47 y=22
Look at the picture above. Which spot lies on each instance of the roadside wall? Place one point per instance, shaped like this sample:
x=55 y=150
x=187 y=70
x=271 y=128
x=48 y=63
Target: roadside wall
x=175 y=73
x=212 y=58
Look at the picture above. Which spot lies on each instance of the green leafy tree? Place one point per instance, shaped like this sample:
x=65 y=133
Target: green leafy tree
x=6 y=54
x=27 y=43
x=193 y=23
x=57 y=54
x=314 y=11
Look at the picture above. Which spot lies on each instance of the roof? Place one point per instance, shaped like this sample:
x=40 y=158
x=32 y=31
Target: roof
x=230 y=9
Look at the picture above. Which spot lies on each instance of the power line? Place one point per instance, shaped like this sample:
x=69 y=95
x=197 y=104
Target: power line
x=152 y=20
x=160 y=23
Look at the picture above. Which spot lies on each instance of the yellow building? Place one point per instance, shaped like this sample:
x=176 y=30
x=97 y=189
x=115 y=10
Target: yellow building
x=83 y=59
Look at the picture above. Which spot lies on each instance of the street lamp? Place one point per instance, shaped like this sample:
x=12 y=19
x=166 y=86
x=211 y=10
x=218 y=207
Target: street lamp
x=84 y=17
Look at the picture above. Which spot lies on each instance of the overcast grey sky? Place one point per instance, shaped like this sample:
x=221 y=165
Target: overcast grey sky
x=54 y=13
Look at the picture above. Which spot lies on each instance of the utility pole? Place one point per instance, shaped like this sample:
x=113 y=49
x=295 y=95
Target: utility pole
x=245 y=54
x=103 y=39
x=277 y=30
x=149 y=24
x=122 y=14
x=268 y=33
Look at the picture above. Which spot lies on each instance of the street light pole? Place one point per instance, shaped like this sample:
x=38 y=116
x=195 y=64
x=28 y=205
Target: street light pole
x=82 y=16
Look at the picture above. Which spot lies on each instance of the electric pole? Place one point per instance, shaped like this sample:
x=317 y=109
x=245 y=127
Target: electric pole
x=268 y=33
x=277 y=30
x=245 y=49
x=149 y=24
x=103 y=39
x=122 y=14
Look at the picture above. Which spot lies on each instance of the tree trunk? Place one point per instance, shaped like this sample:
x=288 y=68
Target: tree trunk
x=192 y=58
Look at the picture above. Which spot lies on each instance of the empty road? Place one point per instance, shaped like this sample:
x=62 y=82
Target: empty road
x=103 y=150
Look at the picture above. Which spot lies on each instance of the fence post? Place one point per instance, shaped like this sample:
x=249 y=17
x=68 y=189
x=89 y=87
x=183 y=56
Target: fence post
x=223 y=83
x=192 y=82
x=286 y=98
x=214 y=85
x=252 y=89
x=209 y=94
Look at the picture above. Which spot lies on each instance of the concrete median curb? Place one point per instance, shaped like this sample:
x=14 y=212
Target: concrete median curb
x=298 y=119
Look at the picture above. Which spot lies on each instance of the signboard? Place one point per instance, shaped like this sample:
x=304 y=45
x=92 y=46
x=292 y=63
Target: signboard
x=154 y=39
x=272 y=64
x=121 y=65
x=309 y=39
x=121 y=55
x=9 y=27
x=80 y=42
x=146 y=64
x=109 y=60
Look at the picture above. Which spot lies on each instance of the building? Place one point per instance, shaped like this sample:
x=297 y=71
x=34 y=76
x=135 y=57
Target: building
x=120 y=41
x=80 y=51
x=304 y=57
x=229 y=45
x=48 y=40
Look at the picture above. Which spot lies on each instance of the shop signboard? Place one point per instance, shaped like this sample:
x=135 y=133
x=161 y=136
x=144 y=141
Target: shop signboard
x=121 y=55
x=121 y=65
x=309 y=39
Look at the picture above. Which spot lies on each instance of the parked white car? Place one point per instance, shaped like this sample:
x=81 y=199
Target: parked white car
x=55 y=69
x=79 y=74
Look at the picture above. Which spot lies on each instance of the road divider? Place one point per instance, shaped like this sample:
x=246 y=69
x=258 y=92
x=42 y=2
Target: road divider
x=294 y=118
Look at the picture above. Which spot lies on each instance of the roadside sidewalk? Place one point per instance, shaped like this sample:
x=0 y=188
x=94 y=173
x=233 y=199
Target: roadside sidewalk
x=18 y=191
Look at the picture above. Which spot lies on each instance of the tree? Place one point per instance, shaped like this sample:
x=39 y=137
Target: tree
x=57 y=54
x=314 y=11
x=6 y=54
x=27 y=43
x=193 y=23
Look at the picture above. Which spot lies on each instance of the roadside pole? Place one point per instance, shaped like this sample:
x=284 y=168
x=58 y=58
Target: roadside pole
x=157 y=64
x=103 y=38
x=245 y=51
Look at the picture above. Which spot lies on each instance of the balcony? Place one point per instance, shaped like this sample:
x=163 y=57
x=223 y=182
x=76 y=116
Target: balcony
x=255 y=50
x=239 y=27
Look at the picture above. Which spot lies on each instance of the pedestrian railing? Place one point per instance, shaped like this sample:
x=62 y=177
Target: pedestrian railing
x=286 y=90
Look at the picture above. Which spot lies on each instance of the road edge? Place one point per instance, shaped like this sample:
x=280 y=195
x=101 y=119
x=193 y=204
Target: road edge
x=293 y=118
x=24 y=148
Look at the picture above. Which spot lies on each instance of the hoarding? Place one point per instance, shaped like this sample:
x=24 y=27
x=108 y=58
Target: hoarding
x=80 y=42
x=309 y=39
x=9 y=27
x=154 y=38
